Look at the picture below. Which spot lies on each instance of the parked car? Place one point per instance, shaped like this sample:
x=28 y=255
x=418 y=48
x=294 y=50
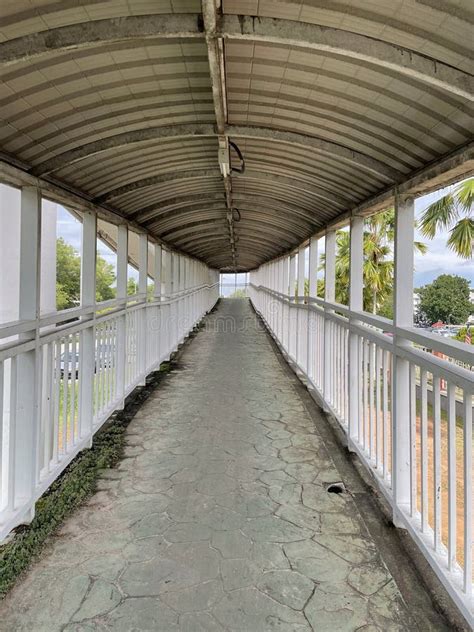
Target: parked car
x=72 y=364
x=103 y=355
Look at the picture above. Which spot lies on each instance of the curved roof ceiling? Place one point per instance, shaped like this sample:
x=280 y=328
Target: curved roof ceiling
x=329 y=103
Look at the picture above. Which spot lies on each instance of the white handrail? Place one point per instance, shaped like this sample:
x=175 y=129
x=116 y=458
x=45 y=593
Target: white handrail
x=129 y=341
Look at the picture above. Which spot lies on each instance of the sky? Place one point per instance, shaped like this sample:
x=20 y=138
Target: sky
x=439 y=259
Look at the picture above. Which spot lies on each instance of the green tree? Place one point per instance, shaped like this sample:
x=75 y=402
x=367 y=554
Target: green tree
x=446 y=299
x=378 y=270
x=132 y=287
x=238 y=294
x=105 y=277
x=68 y=277
x=453 y=212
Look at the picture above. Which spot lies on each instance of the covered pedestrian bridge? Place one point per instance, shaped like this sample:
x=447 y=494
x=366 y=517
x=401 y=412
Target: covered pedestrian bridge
x=218 y=137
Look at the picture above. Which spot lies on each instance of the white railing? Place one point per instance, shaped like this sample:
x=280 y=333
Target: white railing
x=349 y=360
x=84 y=370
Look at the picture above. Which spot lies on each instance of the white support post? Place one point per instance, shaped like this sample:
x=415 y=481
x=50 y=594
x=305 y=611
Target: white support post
x=142 y=290
x=122 y=262
x=87 y=342
x=165 y=309
x=299 y=314
x=313 y=267
x=122 y=266
x=329 y=295
x=142 y=263
x=173 y=289
x=165 y=273
x=292 y=277
x=178 y=275
x=330 y=267
x=157 y=272
x=301 y=267
x=356 y=287
x=278 y=304
x=312 y=293
x=286 y=310
x=24 y=434
x=403 y=317
x=291 y=290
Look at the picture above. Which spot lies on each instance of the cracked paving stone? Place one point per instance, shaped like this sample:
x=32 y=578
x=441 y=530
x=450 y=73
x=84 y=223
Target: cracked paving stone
x=368 y=579
x=216 y=484
x=199 y=622
x=287 y=587
x=218 y=520
x=352 y=548
x=238 y=573
x=249 y=609
x=344 y=612
x=316 y=562
x=155 y=524
x=196 y=598
x=148 y=614
x=145 y=549
x=101 y=598
x=274 y=529
x=104 y=566
x=300 y=516
x=188 y=532
x=232 y=544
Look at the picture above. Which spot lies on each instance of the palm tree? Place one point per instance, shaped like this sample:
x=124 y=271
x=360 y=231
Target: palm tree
x=378 y=261
x=453 y=212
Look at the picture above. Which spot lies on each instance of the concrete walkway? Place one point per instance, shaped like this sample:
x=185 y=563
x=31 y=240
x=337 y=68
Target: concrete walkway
x=219 y=518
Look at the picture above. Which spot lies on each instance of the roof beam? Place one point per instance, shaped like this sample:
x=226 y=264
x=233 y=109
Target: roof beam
x=76 y=36
x=162 y=178
x=242 y=202
x=320 y=145
x=347 y=44
x=179 y=202
x=325 y=147
x=262 y=29
x=256 y=238
x=324 y=196
x=279 y=217
x=122 y=140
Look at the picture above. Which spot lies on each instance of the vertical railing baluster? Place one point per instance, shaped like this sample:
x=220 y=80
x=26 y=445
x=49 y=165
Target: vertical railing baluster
x=436 y=462
x=65 y=385
x=452 y=485
x=73 y=389
x=329 y=296
x=385 y=413
x=142 y=289
x=378 y=420
x=12 y=435
x=424 y=450
x=413 y=439
x=468 y=515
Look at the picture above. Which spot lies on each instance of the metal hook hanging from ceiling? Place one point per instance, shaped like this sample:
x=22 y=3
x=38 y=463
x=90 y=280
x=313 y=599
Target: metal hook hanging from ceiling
x=240 y=169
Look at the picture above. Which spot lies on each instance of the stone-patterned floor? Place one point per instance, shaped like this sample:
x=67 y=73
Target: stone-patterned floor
x=219 y=518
